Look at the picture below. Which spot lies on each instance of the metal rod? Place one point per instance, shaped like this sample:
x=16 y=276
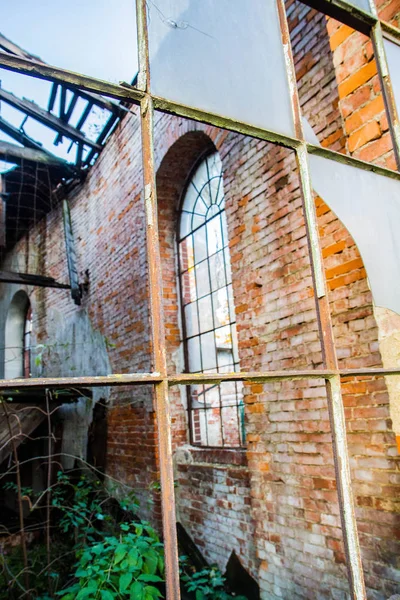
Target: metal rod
x=387 y=89
x=156 y=315
x=188 y=378
x=73 y=382
x=333 y=390
x=73 y=80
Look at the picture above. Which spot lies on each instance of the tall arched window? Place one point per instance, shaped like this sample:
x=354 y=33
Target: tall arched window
x=18 y=337
x=209 y=329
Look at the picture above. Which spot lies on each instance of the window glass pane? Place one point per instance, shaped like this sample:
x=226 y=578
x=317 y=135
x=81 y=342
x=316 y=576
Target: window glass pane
x=202 y=279
x=205 y=314
x=209 y=55
x=91 y=37
x=188 y=286
x=194 y=354
x=200 y=248
x=208 y=350
x=217 y=271
x=230 y=425
x=221 y=308
x=368 y=205
x=214 y=235
x=186 y=253
x=223 y=337
x=191 y=320
x=393 y=57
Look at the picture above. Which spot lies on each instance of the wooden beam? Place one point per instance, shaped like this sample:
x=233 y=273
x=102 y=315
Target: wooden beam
x=20 y=136
x=16 y=155
x=40 y=114
x=28 y=279
x=13 y=48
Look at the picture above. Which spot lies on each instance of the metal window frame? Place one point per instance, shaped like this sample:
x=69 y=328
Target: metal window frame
x=141 y=95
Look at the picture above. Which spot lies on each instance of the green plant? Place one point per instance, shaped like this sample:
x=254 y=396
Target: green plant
x=120 y=567
x=207 y=584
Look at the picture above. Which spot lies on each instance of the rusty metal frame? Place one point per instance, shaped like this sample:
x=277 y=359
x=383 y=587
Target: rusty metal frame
x=159 y=378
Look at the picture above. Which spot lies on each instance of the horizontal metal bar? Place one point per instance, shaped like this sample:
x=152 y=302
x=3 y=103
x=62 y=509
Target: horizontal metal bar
x=390 y=32
x=369 y=372
x=73 y=80
x=349 y=160
x=197 y=114
x=189 y=378
x=347 y=13
x=75 y=382
x=253 y=377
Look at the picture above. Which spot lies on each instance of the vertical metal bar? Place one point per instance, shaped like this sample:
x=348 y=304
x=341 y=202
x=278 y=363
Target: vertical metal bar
x=156 y=315
x=387 y=90
x=334 y=396
x=333 y=388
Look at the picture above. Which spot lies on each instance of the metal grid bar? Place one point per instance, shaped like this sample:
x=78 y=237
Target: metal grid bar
x=142 y=95
x=156 y=315
x=333 y=387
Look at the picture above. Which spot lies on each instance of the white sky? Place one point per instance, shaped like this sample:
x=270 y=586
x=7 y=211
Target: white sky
x=93 y=37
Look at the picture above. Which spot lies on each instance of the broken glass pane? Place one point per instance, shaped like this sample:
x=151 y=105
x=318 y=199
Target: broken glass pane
x=340 y=93
x=393 y=57
x=221 y=57
x=368 y=204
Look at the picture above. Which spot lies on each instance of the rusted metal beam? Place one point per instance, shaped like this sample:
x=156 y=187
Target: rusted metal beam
x=40 y=114
x=190 y=112
x=387 y=89
x=351 y=161
x=255 y=377
x=71 y=79
x=79 y=382
x=346 y=13
x=190 y=378
x=156 y=314
x=333 y=389
x=332 y=384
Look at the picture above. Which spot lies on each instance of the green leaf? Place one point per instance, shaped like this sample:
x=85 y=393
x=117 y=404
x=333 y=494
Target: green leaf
x=133 y=556
x=124 y=582
x=152 y=591
x=120 y=553
x=151 y=562
x=88 y=590
x=106 y=595
x=136 y=591
x=199 y=595
x=147 y=578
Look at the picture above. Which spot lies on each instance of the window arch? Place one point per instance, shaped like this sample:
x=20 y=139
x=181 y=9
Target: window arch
x=209 y=324
x=18 y=337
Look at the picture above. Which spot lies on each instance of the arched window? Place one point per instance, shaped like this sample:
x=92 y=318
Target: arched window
x=209 y=329
x=18 y=337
